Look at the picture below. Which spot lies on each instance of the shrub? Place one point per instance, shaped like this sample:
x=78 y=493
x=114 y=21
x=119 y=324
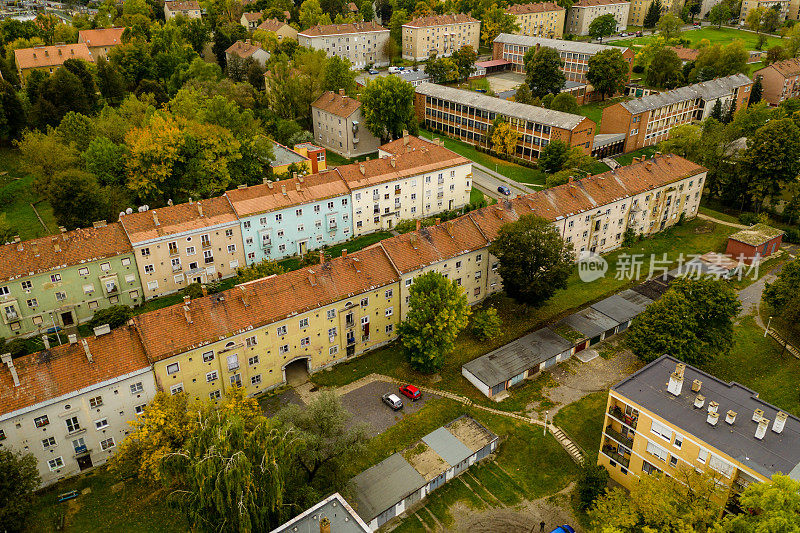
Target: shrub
x=748 y=219
x=592 y=482
x=486 y=324
x=115 y=316
x=792 y=236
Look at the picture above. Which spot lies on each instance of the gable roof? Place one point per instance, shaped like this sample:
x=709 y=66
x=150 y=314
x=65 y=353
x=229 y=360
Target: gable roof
x=339 y=29
x=252 y=16
x=64 y=370
x=242 y=49
x=340 y=105
x=101 y=37
x=685 y=54
x=271 y=24
x=63 y=250
x=182 y=5
x=286 y=193
x=537 y=7
x=595 y=3
x=707 y=90
x=787 y=67
x=178 y=218
x=167 y=332
x=51 y=56
x=441 y=20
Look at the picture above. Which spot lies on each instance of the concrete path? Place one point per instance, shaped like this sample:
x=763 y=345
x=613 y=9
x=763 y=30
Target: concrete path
x=723 y=222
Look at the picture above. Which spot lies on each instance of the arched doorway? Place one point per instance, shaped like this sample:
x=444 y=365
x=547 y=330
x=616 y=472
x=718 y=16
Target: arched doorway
x=295 y=372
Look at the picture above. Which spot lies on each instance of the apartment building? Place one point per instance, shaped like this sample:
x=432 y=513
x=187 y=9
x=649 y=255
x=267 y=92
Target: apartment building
x=540 y=19
x=338 y=125
x=304 y=158
x=101 y=41
x=780 y=81
x=48 y=58
x=575 y=54
x=293 y=216
x=647 y=120
x=439 y=35
x=175 y=246
x=188 y=8
x=782 y=6
x=281 y=29
x=468 y=116
x=59 y=281
x=583 y=12
x=363 y=43
x=70 y=406
x=247 y=336
x=639 y=9
x=669 y=416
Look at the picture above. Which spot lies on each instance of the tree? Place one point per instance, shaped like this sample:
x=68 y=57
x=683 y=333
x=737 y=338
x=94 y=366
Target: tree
x=534 y=261
x=523 y=94
x=608 y=72
x=80 y=68
x=486 y=324
x=230 y=474
x=665 y=71
x=197 y=34
x=684 y=501
x=565 y=103
x=771 y=20
x=719 y=14
x=12 y=113
x=399 y=17
x=670 y=26
x=504 y=138
x=20 y=478
x=553 y=156
x=224 y=37
x=441 y=70
x=754 y=18
x=603 y=26
x=464 y=59
x=110 y=82
x=653 y=14
x=388 y=106
x=258 y=270
x=495 y=21
x=770 y=507
x=437 y=313
x=7 y=231
x=693 y=322
x=716 y=111
x=59 y=94
x=77 y=199
x=771 y=159
x=330 y=443
x=543 y=71
x=719 y=61
x=784 y=289
x=115 y=316
x=592 y=483
x=311 y=14
x=338 y=75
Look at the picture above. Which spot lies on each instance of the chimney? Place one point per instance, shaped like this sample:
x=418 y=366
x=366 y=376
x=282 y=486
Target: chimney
x=204 y=289
x=169 y=202
x=321 y=257
x=283 y=190
x=46 y=342
x=713 y=407
x=405 y=138
x=155 y=218
x=362 y=169
x=758 y=414
x=186 y=314
x=341 y=92
x=730 y=417
x=344 y=252
x=437 y=221
x=419 y=224
x=696 y=384
x=99 y=224
x=675 y=382
x=270 y=185
x=761 y=430
x=62 y=229
x=780 y=421
x=35 y=248
x=6 y=358
x=699 y=401
x=393 y=161
x=297 y=186
x=73 y=339
x=200 y=208
x=86 y=350
x=102 y=330
x=324 y=525
x=187 y=299
x=712 y=418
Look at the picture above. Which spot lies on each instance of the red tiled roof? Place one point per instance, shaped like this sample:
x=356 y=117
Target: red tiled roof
x=339 y=105
x=593 y=3
x=286 y=193
x=177 y=219
x=101 y=37
x=252 y=16
x=271 y=25
x=66 y=369
x=787 y=67
x=685 y=54
x=441 y=20
x=538 y=7
x=186 y=5
x=51 y=56
x=242 y=49
x=58 y=251
x=338 y=29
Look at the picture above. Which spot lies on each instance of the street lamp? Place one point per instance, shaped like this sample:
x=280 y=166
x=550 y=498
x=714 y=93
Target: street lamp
x=768 y=323
x=546 y=413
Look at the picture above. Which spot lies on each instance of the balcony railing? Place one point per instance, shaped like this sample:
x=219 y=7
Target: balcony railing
x=616 y=456
x=628 y=420
x=619 y=437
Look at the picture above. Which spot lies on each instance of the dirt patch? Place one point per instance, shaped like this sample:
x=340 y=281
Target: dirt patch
x=707 y=227
x=425 y=461
x=470 y=432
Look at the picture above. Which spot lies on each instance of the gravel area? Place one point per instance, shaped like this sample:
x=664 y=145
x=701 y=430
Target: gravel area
x=366 y=406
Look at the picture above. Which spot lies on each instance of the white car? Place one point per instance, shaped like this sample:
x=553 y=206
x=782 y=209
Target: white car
x=392 y=400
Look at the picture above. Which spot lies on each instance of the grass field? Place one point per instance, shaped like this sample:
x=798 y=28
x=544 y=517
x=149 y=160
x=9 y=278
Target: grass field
x=332 y=159
x=627 y=159
x=715 y=36
x=693 y=237
x=16 y=197
x=583 y=421
x=594 y=110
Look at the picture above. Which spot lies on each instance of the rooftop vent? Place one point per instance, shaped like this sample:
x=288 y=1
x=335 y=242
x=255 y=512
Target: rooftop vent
x=780 y=421
x=713 y=407
x=102 y=330
x=761 y=430
x=675 y=383
x=730 y=417
x=758 y=414
x=699 y=401
x=88 y=353
x=696 y=384
x=73 y=339
x=712 y=418
x=6 y=358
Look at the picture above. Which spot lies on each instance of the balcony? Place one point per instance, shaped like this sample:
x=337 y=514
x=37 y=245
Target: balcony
x=177 y=268
x=351 y=340
x=332 y=225
x=619 y=437
x=619 y=415
x=205 y=244
x=614 y=455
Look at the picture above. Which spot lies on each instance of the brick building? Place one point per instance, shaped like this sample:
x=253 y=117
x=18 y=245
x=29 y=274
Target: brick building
x=781 y=80
x=754 y=243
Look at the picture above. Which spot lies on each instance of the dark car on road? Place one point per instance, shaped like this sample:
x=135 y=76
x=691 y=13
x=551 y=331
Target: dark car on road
x=504 y=190
x=392 y=400
x=410 y=392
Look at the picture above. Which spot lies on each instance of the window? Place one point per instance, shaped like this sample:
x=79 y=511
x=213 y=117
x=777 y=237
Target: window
x=229 y=233
x=236 y=380
x=702 y=455
x=55 y=278
x=101 y=424
x=61 y=296
x=83 y=271
x=108 y=443
x=364 y=302
x=208 y=357
x=255 y=380
x=252 y=361
x=678 y=441
x=305 y=341
x=55 y=463
x=389 y=328
x=41 y=421
x=215 y=395
x=657 y=451
x=149 y=269
x=389 y=311
x=389 y=293
x=331 y=314
x=231 y=248
x=139 y=409
x=720 y=465
x=333 y=350
x=233 y=361
x=283 y=349
x=251 y=341
x=97 y=401
x=190 y=250
x=281 y=330
x=72 y=424
x=173 y=368
x=408 y=282
x=211 y=377
x=173 y=247
x=298 y=212
x=136 y=388
x=145 y=252
x=673 y=461
x=176 y=389
x=303 y=323
x=33 y=302
x=661 y=430
x=49 y=442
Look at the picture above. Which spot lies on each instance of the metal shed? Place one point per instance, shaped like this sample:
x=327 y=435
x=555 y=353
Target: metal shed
x=383 y=491
x=592 y=324
x=623 y=307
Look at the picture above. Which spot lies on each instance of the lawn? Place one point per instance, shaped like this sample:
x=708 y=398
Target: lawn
x=693 y=237
x=16 y=197
x=508 y=169
x=332 y=159
x=594 y=110
x=293 y=263
x=719 y=215
x=583 y=422
x=627 y=159
x=131 y=507
x=715 y=36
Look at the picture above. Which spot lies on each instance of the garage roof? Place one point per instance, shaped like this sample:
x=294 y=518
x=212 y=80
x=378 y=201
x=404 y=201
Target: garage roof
x=623 y=306
x=383 y=485
x=590 y=322
x=447 y=446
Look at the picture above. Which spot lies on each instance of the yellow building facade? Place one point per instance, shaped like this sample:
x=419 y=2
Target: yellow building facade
x=540 y=19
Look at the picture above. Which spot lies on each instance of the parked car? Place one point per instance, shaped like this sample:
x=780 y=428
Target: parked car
x=639 y=33
x=696 y=24
x=394 y=70
x=410 y=392
x=504 y=190
x=373 y=71
x=563 y=529
x=392 y=400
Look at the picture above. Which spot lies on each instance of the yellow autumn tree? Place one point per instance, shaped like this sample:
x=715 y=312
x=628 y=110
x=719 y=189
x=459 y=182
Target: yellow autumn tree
x=504 y=139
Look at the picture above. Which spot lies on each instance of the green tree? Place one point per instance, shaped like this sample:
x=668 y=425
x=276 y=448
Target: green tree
x=670 y=26
x=754 y=18
x=653 y=14
x=20 y=478
x=77 y=199
x=339 y=75
x=785 y=288
x=441 y=70
x=12 y=113
x=437 y=313
x=486 y=324
x=774 y=54
x=464 y=59
x=553 y=156
x=115 y=316
x=693 y=322
x=534 y=261
x=665 y=70
x=771 y=20
x=608 y=72
x=716 y=111
x=603 y=26
x=61 y=93
x=523 y=94
x=80 y=68
x=770 y=507
x=399 y=17
x=7 y=231
x=565 y=102
x=110 y=82
x=76 y=129
x=772 y=158
x=224 y=37
x=495 y=21
x=388 y=106
x=719 y=14
x=197 y=34
x=258 y=270
x=591 y=484
x=543 y=71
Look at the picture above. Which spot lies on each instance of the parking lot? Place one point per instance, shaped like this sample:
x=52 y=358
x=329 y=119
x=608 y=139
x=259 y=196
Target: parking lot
x=366 y=406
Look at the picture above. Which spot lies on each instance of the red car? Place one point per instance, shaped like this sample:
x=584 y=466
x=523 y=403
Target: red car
x=410 y=392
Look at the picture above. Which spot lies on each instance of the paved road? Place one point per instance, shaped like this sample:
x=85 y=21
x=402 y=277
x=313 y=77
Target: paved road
x=488 y=183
